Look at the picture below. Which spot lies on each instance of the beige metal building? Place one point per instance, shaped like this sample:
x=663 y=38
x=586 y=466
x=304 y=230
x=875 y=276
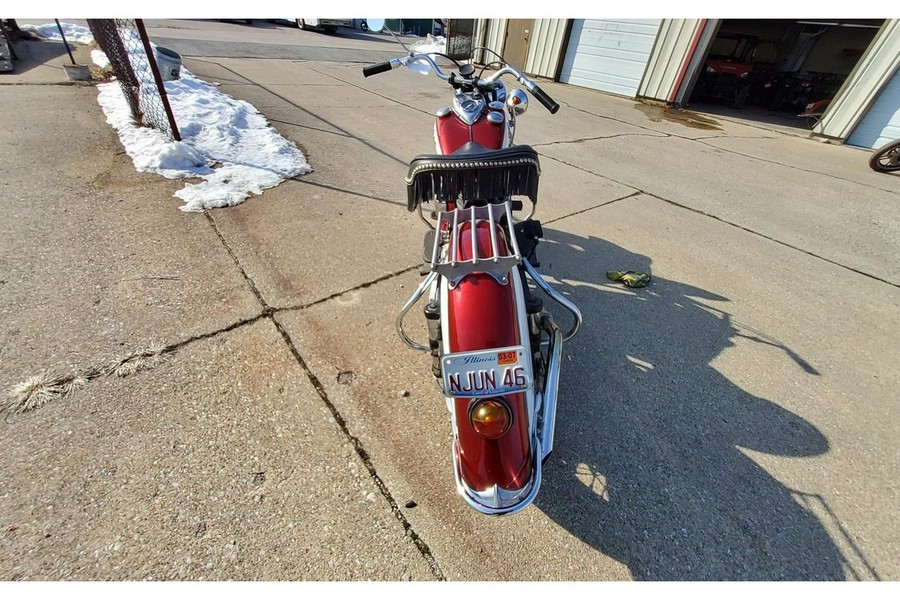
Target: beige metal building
x=774 y=66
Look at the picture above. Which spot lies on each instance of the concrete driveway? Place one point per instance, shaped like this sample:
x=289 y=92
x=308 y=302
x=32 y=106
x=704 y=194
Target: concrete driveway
x=733 y=420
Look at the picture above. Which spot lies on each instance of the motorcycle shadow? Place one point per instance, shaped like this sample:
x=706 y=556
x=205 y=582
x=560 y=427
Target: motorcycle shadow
x=649 y=465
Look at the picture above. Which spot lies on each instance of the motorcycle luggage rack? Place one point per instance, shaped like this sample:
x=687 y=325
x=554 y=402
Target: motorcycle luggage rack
x=496 y=263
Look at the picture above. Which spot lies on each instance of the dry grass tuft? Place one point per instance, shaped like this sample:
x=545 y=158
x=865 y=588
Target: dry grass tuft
x=38 y=390
x=137 y=361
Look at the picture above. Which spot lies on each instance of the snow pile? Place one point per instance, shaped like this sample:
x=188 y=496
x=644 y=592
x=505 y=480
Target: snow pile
x=98 y=57
x=431 y=44
x=226 y=142
x=77 y=34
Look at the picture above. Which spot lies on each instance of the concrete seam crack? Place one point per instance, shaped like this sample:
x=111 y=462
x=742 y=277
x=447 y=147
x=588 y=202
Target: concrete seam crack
x=361 y=286
x=304 y=179
x=602 y=137
x=726 y=222
x=218 y=64
x=237 y=262
x=362 y=453
x=587 y=112
x=309 y=112
x=588 y=171
x=702 y=140
x=578 y=212
x=801 y=169
x=337 y=133
x=771 y=239
x=269 y=313
x=49 y=385
x=359 y=87
x=339 y=128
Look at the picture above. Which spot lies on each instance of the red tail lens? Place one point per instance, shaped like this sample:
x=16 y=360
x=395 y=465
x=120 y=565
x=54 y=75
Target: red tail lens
x=490 y=418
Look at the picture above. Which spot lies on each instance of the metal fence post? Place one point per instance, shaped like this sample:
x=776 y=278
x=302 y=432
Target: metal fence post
x=158 y=78
x=130 y=54
x=106 y=36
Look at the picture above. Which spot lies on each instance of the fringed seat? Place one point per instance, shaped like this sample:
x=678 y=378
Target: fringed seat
x=474 y=174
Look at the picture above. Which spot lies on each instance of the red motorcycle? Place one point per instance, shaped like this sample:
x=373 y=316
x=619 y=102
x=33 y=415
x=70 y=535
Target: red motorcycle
x=495 y=348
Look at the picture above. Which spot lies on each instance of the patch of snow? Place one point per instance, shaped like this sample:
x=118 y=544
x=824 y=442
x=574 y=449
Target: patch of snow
x=226 y=142
x=98 y=57
x=77 y=34
x=429 y=45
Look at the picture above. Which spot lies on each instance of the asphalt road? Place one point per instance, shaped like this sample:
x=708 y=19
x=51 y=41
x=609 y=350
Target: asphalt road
x=734 y=420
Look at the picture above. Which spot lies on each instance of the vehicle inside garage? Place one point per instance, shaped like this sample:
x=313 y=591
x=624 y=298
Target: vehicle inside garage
x=777 y=70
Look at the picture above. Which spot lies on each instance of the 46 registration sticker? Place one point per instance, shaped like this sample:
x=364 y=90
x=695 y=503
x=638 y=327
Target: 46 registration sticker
x=487 y=372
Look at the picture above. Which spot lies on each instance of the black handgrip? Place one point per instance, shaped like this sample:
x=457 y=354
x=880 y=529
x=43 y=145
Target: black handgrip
x=376 y=69
x=546 y=100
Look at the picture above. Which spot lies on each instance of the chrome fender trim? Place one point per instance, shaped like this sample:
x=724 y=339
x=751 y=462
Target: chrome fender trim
x=495 y=501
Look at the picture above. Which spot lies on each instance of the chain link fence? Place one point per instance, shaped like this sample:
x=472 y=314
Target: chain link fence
x=125 y=43
x=460 y=38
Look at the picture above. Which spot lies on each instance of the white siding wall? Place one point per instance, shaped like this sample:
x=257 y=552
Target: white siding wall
x=609 y=55
x=668 y=57
x=496 y=35
x=545 y=47
x=882 y=121
x=870 y=75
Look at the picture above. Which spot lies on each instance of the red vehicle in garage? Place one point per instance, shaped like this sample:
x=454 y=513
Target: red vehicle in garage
x=726 y=74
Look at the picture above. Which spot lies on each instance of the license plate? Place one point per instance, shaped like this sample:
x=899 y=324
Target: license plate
x=487 y=372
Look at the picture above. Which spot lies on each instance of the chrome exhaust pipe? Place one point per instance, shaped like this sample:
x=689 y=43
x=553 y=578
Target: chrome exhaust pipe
x=551 y=385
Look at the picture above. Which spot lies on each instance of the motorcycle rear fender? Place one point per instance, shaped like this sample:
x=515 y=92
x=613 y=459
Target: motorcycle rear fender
x=481 y=313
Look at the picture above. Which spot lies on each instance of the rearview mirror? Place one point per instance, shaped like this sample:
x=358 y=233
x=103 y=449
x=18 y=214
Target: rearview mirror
x=377 y=25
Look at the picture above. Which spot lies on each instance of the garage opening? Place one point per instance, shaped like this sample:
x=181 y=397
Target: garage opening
x=781 y=72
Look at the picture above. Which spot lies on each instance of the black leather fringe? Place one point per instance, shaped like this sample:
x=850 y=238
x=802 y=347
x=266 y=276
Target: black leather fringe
x=472 y=181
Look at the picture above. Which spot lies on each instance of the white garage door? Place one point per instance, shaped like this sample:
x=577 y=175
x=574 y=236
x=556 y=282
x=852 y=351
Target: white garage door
x=881 y=124
x=609 y=55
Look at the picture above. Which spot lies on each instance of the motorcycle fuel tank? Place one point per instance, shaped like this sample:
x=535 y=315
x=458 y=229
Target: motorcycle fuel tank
x=452 y=132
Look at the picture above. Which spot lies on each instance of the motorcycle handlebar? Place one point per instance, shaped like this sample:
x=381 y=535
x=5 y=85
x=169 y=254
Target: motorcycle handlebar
x=530 y=85
x=536 y=91
x=376 y=69
x=546 y=100
x=402 y=62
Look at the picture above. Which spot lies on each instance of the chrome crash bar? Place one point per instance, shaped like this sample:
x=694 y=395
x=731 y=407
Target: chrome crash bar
x=559 y=298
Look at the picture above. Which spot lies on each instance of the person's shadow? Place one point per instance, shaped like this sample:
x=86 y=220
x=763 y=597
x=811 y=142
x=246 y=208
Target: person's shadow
x=649 y=464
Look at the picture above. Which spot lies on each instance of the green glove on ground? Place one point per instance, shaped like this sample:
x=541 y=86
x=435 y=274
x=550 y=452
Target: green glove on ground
x=633 y=279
